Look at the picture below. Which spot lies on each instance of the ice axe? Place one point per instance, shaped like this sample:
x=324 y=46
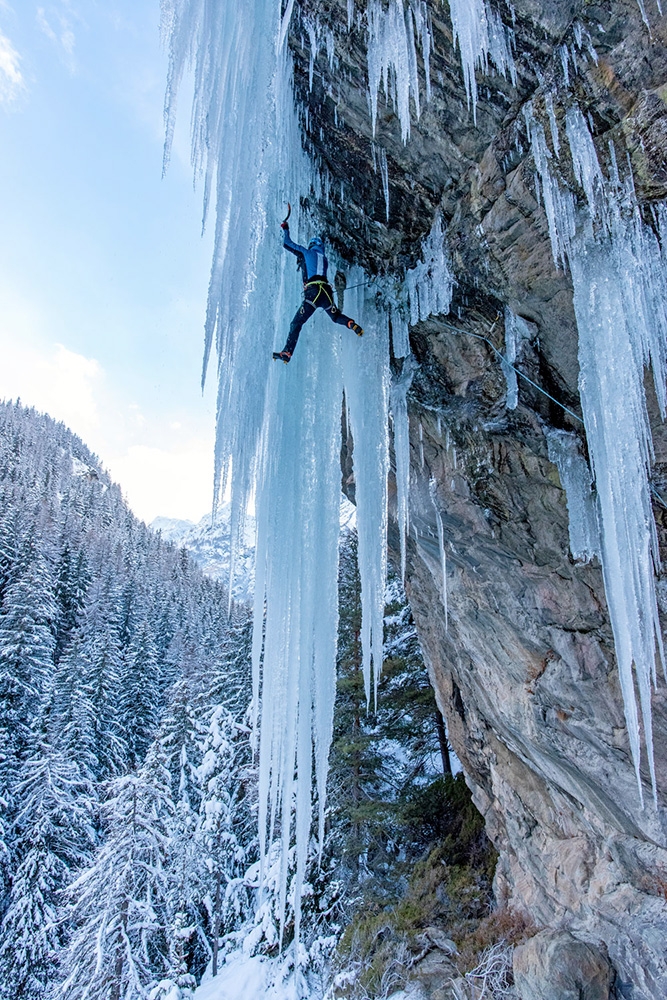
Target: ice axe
x=283 y=224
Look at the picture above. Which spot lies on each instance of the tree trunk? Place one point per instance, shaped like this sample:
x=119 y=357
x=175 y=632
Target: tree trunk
x=444 y=746
x=216 y=926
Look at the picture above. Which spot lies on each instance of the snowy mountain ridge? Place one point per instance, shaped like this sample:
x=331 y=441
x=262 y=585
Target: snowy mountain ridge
x=208 y=542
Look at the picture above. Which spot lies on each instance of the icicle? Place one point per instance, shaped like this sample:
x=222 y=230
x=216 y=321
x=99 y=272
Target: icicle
x=350 y=14
x=441 y=547
x=517 y=330
x=564 y=58
x=400 y=333
x=367 y=382
x=558 y=204
x=510 y=357
x=584 y=157
x=392 y=57
x=501 y=40
x=553 y=124
x=480 y=34
x=399 y=409
x=384 y=174
x=430 y=284
x=619 y=276
x=421 y=445
x=313 y=41
x=278 y=430
x=575 y=476
x=420 y=15
x=331 y=47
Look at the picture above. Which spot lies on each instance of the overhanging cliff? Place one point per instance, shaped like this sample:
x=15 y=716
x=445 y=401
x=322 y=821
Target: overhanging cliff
x=526 y=671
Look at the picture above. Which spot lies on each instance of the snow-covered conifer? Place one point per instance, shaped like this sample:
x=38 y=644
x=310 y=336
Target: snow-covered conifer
x=26 y=654
x=139 y=697
x=119 y=905
x=72 y=581
x=227 y=823
x=52 y=838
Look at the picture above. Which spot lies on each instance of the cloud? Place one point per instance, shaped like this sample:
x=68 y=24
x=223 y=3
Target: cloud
x=70 y=387
x=60 y=382
x=11 y=79
x=168 y=483
x=163 y=460
x=62 y=35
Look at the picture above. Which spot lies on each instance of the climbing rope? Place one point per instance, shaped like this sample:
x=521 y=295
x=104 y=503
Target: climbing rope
x=478 y=336
x=362 y=284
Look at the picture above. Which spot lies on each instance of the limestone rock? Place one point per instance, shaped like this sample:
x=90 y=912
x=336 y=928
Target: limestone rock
x=554 y=965
x=525 y=672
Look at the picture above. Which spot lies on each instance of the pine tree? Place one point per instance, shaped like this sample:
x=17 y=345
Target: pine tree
x=73 y=579
x=227 y=822
x=53 y=838
x=139 y=697
x=119 y=905
x=26 y=656
x=379 y=757
x=108 y=635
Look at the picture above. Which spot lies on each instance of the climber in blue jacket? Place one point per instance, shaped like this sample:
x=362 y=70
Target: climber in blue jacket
x=317 y=292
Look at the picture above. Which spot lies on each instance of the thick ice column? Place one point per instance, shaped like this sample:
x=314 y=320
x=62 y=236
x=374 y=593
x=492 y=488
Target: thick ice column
x=577 y=481
x=399 y=412
x=619 y=442
x=619 y=277
x=278 y=428
x=298 y=516
x=367 y=380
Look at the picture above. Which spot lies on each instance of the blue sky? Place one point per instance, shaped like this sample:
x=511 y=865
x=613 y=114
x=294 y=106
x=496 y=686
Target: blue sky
x=103 y=270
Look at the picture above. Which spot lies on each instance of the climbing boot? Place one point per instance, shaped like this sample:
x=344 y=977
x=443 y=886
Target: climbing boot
x=282 y=356
x=357 y=329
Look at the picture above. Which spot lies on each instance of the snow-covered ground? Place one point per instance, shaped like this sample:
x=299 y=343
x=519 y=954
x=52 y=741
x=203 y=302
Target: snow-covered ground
x=245 y=977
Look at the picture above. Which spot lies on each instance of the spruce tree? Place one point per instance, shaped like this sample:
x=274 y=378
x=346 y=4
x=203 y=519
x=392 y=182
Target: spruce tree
x=72 y=582
x=26 y=656
x=52 y=838
x=139 y=696
x=119 y=906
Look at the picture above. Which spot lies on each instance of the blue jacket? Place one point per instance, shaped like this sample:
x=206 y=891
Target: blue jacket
x=312 y=263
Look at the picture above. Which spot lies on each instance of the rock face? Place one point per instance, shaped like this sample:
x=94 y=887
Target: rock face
x=555 y=966
x=525 y=673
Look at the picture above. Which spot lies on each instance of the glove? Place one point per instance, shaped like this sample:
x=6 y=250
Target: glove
x=285 y=226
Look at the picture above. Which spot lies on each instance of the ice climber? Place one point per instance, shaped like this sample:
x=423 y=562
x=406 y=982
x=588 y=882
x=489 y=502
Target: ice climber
x=317 y=292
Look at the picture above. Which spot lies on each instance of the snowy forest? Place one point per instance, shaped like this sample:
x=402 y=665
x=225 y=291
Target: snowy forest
x=129 y=786
x=426 y=758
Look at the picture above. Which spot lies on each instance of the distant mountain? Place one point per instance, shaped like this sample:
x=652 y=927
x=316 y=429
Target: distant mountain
x=208 y=544
x=117 y=654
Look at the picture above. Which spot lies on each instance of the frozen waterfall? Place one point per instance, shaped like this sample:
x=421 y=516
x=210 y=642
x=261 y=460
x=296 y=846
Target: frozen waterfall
x=619 y=275
x=279 y=428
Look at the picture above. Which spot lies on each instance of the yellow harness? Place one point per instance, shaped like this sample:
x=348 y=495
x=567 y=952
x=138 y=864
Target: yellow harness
x=324 y=286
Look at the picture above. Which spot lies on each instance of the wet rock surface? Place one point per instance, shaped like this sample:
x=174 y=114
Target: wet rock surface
x=525 y=673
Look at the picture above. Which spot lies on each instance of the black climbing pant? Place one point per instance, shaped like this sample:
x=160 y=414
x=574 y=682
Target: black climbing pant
x=318 y=294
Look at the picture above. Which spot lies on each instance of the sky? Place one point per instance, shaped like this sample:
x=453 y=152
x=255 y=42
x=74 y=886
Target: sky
x=103 y=267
